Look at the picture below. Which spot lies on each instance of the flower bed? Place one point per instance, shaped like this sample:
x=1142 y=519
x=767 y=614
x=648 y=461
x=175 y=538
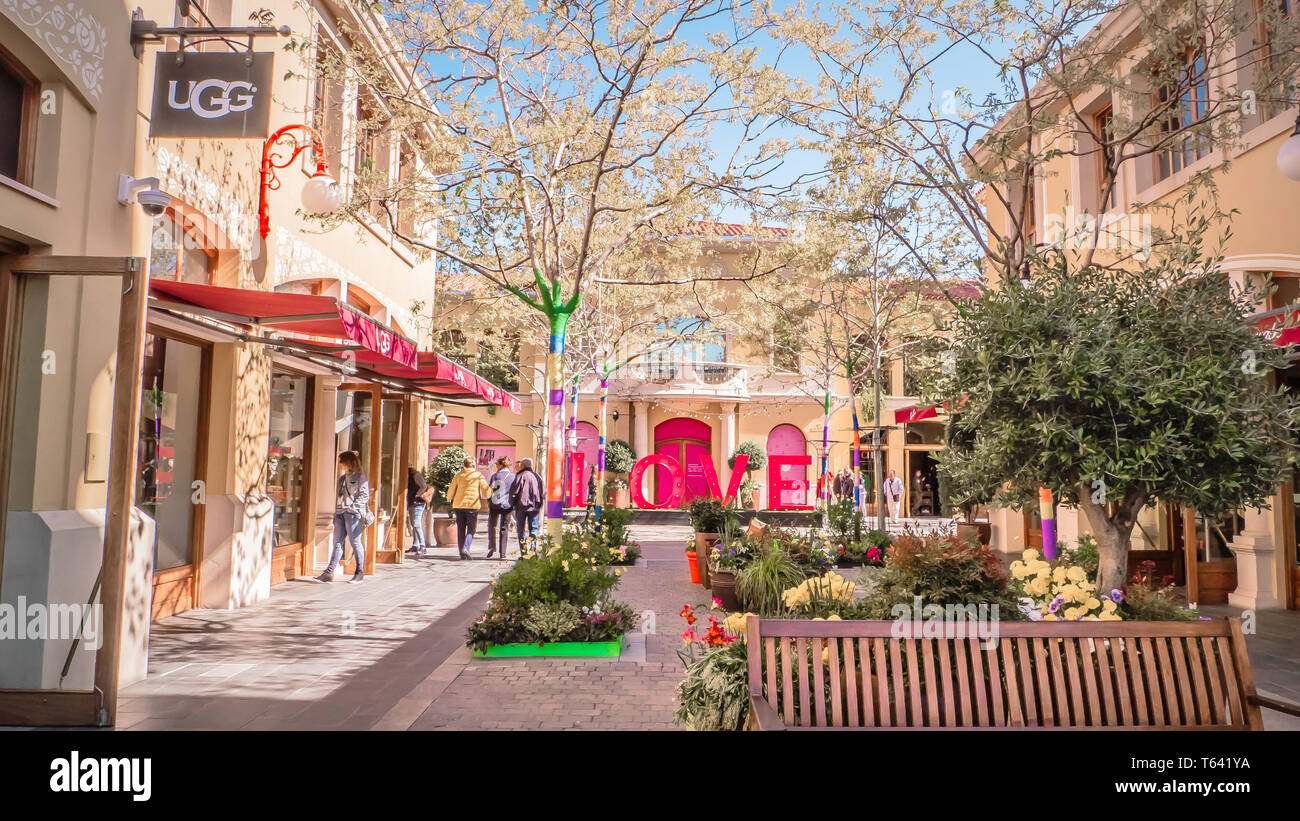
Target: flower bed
x=558 y=594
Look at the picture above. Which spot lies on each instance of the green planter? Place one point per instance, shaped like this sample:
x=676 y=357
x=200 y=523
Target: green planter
x=578 y=649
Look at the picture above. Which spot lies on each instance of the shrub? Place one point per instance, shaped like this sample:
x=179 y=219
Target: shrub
x=715 y=693
x=843 y=522
x=444 y=467
x=1147 y=600
x=571 y=574
x=942 y=570
x=1087 y=554
x=757 y=456
x=762 y=582
x=549 y=622
x=619 y=456
x=708 y=516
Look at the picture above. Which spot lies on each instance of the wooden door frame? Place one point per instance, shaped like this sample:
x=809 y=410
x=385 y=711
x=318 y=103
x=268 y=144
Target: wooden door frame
x=306 y=512
x=680 y=442
x=1286 y=499
x=72 y=707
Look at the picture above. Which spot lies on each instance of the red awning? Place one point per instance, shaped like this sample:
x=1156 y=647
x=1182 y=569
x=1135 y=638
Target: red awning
x=916 y=413
x=383 y=352
x=1289 y=320
x=306 y=314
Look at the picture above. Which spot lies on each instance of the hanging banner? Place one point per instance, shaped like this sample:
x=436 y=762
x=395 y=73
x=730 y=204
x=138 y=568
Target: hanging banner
x=212 y=94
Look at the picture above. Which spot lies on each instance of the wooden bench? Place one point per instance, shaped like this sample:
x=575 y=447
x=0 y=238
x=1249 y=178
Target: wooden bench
x=813 y=675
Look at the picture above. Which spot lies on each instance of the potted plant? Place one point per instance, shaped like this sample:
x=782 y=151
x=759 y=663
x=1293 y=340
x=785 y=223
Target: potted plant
x=707 y=518
x=757 y=461
x=727 y=556
x=619 y=458
x=693 y=561
x=439 y=475
x=616 y=494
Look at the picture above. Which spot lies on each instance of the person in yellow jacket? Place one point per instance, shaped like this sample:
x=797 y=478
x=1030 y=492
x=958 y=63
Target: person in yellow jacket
x=467 y=492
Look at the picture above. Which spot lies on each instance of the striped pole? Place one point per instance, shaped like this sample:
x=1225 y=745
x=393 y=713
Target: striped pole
x=826 y=448
x=572 y=439
x=555 y=429
x=1047 y=511
x=600 y=447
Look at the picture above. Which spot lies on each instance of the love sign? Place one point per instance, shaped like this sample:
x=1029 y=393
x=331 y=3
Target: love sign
x=677 y=487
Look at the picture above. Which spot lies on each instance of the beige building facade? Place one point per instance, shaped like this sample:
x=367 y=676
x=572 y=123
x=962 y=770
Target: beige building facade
x=174 y=390
x=1247 y=559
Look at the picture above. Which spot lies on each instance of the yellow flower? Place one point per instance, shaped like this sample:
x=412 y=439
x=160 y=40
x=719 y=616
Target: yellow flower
x=1030 y=554
x=1049 y=617
x=1019 y=569
x=834 y=618
x=1058 y=575
x=1110 y=615
x=1092 y=603
x=565 y=563
x=1076 y=574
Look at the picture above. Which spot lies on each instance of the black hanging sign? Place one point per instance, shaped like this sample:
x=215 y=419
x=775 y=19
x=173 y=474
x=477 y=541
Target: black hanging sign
x=212 y=94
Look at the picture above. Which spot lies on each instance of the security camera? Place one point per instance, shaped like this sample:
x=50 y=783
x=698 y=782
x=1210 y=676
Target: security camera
x=153 y=200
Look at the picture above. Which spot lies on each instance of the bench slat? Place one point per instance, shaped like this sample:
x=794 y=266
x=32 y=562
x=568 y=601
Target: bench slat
x=928 y=683
x=881 y=666
x=1147 y=649
x=1123 y=684
x=913 y=676
x=1045 y=690
x=1088 y=661
x=1079 y=713
x=1137 y=676
x=978 y=682
x=945 y=680
x=868 y=684
x=787 y=680
x=1026 y=670
x=897 y=696
x=837 y=690
x=818 y=694
x=851 y=676
x=1204 y=709
x=1183 y=678
x=805 y=695
x=1059 y=690
x=1015 y=717
x=1245 y=676
x=1218 y=706
x=1102 y=652
x=1170 y=690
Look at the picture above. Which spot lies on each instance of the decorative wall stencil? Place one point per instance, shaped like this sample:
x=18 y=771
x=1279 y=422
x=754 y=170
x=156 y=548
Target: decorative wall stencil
x=69 y=34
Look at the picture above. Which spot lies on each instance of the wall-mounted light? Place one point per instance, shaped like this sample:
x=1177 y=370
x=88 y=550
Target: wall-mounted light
x=1288 y=156
x=320 y=195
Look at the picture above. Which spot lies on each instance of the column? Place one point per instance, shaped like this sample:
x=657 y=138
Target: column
x=324 y=469
x=1255 y=572
x=641 y=435
x=728 y=432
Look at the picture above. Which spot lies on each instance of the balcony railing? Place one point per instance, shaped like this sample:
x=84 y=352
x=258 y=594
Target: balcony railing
x=685 y=376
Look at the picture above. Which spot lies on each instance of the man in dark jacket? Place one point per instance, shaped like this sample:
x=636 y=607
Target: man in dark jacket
x=526 y=501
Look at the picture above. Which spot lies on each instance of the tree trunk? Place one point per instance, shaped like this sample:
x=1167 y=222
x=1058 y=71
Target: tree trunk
x=555 y=427
x=600 y=446
x=1113 y=532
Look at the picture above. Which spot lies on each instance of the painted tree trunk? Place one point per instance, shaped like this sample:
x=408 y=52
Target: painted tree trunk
x=571 y=441
x=826 y=450
x=555 y=428
x=600 y=447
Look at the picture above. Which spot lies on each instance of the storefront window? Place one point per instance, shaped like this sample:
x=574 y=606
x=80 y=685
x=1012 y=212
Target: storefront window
x=285 y=465
x=177 y=251
x=168 y=449
x=352 y=422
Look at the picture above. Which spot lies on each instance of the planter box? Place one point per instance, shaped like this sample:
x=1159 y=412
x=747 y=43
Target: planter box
x=571 y=649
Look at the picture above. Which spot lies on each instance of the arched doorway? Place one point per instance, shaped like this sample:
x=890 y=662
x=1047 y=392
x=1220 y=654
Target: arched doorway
x=787 y=440
x=684 y=440
x=491 y=444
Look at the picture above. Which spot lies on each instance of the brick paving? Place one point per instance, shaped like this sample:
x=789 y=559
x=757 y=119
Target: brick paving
x=389 y=654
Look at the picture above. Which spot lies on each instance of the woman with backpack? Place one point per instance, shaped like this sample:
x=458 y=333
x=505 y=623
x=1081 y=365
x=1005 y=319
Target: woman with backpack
x=351 y=516
x=499 y=506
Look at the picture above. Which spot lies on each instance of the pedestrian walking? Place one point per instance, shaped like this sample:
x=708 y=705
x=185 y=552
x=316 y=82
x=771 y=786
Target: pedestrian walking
x=351 y=516
x=526 y=501
x=467 y=492
x=893 y=488
x=844 y=484
x=418 y=496
x=499 y=507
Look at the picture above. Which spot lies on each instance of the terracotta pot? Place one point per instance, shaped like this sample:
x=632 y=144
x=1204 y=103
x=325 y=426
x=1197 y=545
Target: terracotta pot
x=694 y=566
x=444 y=532
x=758 y=502
x=622 y=498
x=982 y=531
x=724 y=589
x=704 y=542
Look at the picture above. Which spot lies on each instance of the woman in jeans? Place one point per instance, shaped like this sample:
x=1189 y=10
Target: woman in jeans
x=352 y=499
x=415 y=485
x=467 y=492
x=499 y=506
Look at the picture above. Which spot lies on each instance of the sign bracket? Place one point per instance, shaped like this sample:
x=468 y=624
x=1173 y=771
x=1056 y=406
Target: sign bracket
x=147 y=31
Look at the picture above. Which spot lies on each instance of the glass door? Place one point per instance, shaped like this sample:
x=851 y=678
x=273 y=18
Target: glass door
x=357 y=430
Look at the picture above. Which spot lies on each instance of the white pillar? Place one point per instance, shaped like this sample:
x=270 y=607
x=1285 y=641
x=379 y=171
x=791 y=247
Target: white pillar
x=728 y=432
x=641 y=434
x=1255 y=572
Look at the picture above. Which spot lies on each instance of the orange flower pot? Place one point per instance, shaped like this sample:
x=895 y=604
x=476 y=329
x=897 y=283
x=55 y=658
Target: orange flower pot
x=691 y=561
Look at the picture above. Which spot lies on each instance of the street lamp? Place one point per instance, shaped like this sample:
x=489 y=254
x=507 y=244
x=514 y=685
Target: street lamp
x=1288 y=156
x=320 y=195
